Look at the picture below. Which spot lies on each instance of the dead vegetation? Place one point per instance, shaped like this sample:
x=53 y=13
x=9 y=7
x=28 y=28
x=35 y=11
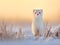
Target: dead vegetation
x=54 y=34
x=4 y=34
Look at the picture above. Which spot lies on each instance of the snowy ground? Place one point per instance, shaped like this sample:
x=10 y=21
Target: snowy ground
x=29 y=39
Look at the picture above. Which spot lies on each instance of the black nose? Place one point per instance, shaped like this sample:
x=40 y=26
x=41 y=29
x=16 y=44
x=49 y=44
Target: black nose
x=37 y=14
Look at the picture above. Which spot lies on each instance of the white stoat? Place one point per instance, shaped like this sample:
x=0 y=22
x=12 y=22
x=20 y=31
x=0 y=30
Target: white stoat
x=37 y=22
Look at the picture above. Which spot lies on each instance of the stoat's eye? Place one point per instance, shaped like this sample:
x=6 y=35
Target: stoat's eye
x=35 y=12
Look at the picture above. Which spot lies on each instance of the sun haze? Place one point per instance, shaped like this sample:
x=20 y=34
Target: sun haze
x=22 y=10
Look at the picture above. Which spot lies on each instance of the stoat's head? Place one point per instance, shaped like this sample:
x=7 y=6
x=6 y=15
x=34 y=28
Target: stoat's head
x=37 y=12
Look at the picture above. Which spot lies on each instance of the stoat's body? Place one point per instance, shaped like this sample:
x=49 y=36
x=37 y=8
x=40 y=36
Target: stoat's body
x=37 y=23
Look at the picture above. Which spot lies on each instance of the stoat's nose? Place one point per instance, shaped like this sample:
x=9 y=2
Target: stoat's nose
x=37 y=14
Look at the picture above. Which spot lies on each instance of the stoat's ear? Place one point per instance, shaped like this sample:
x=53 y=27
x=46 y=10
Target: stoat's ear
x=33 y=10
x=41 y=10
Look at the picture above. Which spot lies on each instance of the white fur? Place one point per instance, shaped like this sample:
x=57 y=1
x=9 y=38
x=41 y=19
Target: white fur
x=37 y=22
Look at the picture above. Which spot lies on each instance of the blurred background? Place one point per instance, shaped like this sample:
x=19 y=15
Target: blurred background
x=22 y=10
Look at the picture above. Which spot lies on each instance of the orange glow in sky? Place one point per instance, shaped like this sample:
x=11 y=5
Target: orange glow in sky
x=22 y=9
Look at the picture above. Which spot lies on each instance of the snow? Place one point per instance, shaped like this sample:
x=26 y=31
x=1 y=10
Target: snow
x=30 y=40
